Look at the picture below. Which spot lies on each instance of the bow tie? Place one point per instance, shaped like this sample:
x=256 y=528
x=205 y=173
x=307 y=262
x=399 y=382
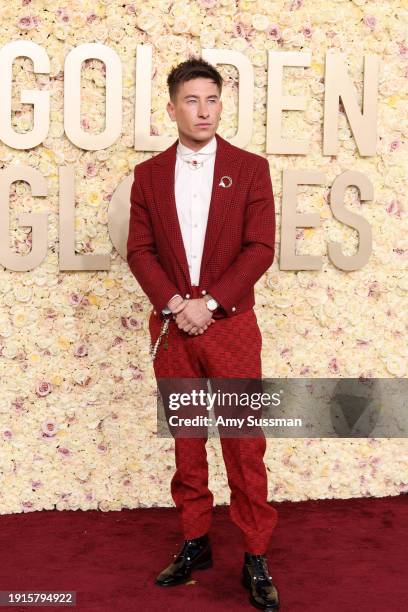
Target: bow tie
x=191 y=159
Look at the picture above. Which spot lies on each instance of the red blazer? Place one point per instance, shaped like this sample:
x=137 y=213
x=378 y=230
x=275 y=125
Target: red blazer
x=239 y=243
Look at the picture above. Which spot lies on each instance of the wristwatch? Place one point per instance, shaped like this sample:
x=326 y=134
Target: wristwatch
x=212 y=304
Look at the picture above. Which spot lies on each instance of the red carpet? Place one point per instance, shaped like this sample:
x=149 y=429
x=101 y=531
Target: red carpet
x=328 y=555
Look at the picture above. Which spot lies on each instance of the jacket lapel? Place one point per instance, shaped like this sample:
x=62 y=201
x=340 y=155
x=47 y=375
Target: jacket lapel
x=227 y=164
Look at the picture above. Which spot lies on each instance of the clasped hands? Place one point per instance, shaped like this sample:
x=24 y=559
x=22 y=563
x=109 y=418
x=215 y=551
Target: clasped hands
x=192 y=316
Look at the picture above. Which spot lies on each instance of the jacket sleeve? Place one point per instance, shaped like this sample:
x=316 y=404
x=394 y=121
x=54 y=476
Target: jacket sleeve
x=258 y=244
x=142 y=253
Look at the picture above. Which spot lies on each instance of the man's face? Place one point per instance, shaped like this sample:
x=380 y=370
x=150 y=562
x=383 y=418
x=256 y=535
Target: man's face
x=196 y=109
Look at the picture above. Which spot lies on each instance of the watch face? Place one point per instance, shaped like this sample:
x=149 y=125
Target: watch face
x=212 y=304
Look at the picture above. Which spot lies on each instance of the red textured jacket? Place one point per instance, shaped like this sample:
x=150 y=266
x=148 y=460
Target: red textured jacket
x=239 y=243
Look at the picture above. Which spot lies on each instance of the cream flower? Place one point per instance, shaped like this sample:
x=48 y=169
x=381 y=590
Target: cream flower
x=147 y=21
x=23 y=293
x=396 y=365
x=260 y=22
x=181 y=25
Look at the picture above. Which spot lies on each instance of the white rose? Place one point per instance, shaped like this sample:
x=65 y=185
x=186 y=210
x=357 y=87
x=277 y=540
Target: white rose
x=23 y=293
x=239 y=44
x=181 y=25
x=20 y=317
x=260 y=22
x=396 y=365
x=11 y=349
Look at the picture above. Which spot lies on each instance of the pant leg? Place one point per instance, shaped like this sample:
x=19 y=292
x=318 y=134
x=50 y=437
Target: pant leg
x=189 y=485
x=231 y=348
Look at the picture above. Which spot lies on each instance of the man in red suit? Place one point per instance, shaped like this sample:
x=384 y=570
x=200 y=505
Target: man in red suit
x=201 y=234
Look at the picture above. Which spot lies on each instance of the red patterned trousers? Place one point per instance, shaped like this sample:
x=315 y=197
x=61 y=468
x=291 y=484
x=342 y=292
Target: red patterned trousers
x=229 y=348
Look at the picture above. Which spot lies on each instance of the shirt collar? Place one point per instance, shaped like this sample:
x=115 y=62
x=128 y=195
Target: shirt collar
x=208 y=149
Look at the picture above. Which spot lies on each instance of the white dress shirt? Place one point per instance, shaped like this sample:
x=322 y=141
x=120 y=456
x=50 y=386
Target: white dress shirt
x=193 y=188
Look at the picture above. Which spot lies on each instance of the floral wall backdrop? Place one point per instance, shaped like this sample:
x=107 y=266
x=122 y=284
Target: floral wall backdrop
x=77 y=408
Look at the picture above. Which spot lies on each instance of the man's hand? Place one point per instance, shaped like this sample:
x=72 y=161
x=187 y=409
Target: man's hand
x=194 y=317
x=176 y=304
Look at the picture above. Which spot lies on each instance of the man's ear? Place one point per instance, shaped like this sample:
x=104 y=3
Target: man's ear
x=170 y=110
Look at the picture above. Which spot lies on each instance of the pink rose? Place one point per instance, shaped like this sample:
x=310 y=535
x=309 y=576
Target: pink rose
x=81 y=350
x=75 y=299
x=307 y=31
x=403 y=50
x=137 y=374
x=90 y=169
x=334 y=366
x=273 y=32
x=370 y=21
x=394 y=208
x=395 y=145
x=26 y=23
x=137 y=307
x=43 y=388
x=49 y=427
x=374 y=289
x=91 y=17
x=131 y=323
x=241 y=31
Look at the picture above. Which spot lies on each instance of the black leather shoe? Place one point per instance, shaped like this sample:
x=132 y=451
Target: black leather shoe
x=195 y=554
x=256 y=578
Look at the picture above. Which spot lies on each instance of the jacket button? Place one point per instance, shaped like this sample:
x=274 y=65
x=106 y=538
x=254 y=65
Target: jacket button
x=154 y=312
x=203 y=292
x=187 y=295
x=233 y=309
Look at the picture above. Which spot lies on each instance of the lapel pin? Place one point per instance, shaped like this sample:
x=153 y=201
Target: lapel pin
x=226 y=181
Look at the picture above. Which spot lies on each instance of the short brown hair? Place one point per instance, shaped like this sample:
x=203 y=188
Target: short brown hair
x=192 y=68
